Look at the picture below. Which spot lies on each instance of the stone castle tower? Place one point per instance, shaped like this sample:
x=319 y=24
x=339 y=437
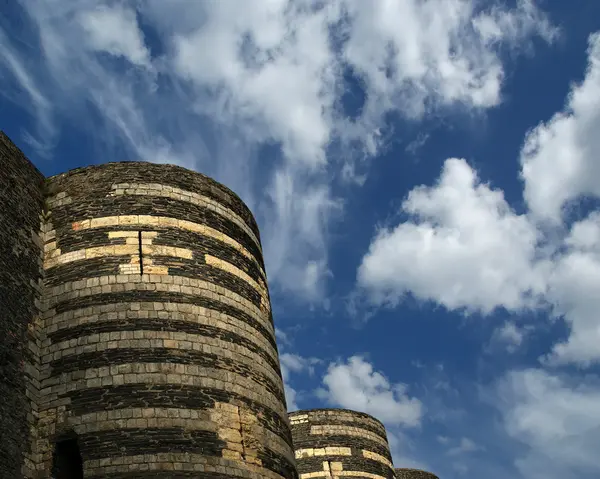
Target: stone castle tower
x=137 y=339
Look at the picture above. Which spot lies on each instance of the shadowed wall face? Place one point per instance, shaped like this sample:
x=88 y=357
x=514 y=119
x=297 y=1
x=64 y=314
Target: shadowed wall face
x=335 y=443
x=160 y=353
x=403 y=473
x=21 y=201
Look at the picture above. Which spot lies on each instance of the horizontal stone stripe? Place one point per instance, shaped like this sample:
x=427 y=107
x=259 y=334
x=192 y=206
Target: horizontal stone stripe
x=188 y=419
x=366 y=425
x=361 y=474
x=175 y=465
x=136 y=338
x=143 y=211
x=336 y=430
x=377 y=457
x=239 y=257
x=225 y=278
x=153 y=189
x=175 y=374
x=315 y=465
x=259 y=285
x=323 y=451
x=117 y=250
x=183 y=328
x=92 y=291
x=147 y=440
x=214 y=243
x=168 y=316
x=348 y=463
x=97 y=180
x=97 y=445
x=175 y=396
x=181 y=300
x=195 y=269
x=70 y=272
x=355 y=443
x=339 y=416
x=152 y=354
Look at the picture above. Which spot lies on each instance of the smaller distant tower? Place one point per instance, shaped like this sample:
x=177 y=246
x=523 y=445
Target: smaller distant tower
x=404 y=473
x=332 y=443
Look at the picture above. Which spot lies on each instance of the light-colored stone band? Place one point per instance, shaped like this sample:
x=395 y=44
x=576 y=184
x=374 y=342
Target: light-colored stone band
x=154 y=189
x=158 y=373
x=337 y=430
x=167 y=222
x=164 y=283
x=377 y=457
x=167 y=311
x=177 y=341
x=173 y=461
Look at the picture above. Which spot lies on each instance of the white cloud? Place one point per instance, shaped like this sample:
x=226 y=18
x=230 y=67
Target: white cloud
x=463 y=248
x=355 y=385
x=230 y=77
x=559 y=158
x=464 y=446
x=293 y=363
x=557 y=420
x=573 y=289
x=509 y=336
x=114 y=30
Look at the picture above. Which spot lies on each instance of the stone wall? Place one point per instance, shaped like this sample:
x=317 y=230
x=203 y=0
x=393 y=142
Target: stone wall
x=334 y=443
x=160 y=351
x=403 y=473
x=22 y=203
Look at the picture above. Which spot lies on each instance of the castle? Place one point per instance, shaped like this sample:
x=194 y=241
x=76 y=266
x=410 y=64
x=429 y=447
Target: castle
x=137 y=339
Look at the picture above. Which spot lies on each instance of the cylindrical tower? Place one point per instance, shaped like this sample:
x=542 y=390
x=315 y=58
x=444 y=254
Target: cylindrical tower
x=404 y=473
x=160 y=358
x=337 y=442
x=22 y=203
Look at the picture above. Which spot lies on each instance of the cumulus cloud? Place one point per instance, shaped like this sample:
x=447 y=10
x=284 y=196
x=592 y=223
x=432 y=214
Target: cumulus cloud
x=294 y=364
x=509 y=336
x=573 y=290
x=251 y=92
x=354 y=384
x=559 y=157
x=464 y=446
x=463 y=247
x=556 y=418
x=115 y=30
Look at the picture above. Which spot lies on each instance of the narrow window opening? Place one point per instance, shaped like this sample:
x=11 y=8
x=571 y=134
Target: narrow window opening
x=140 y=253
x=66 y=460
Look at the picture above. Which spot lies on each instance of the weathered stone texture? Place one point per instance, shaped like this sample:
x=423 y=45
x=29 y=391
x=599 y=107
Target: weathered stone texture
x=403 y=473
x=159 y=350
x=334 y=443
x=136 y=318
x=22 y=203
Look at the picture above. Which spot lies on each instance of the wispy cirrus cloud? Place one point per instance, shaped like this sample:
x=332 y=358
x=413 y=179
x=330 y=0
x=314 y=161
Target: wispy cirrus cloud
x=251 y=92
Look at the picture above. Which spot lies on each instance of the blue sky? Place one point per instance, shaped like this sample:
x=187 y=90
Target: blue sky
x=424 y=174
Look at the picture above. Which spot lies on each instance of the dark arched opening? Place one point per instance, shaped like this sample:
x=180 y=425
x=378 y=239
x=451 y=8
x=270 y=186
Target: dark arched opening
x=66 y=460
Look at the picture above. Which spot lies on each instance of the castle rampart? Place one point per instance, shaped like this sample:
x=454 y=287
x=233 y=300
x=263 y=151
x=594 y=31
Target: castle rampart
x=404 y=473
x=22 y=204
x=160 y=351
x=137 y=339
x=337 y=442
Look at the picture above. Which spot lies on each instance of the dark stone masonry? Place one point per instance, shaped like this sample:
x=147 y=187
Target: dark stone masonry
x=338 y=441
x=138 y=340
x=414 y=474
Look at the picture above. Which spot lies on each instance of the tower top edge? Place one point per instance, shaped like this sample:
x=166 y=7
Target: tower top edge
x=337 y=410
x=139 y=167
